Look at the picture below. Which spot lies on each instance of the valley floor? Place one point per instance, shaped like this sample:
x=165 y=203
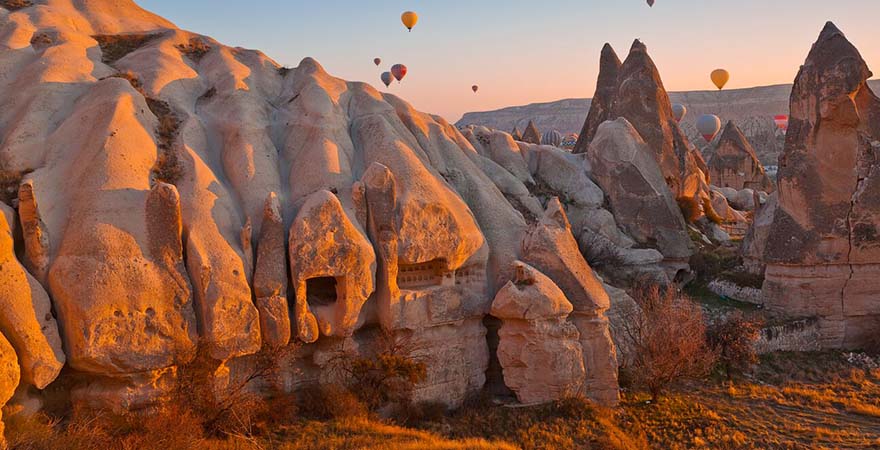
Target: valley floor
x=825 y=400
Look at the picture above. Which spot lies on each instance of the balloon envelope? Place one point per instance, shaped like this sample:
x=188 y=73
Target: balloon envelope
x=679 y=111
x=709 y=125
x=781 y=122
x=475 y=88
x=553 y=138
x=399 y=71
x=651 y=3
x=720 y=77
x=387 y=78
x=409 y=19
x=377 y=61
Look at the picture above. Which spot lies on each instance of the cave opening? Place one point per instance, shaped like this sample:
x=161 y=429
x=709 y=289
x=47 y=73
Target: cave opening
x=322 y=291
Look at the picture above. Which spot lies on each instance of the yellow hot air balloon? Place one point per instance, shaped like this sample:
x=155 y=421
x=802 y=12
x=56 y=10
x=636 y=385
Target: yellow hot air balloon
x=720 y=77
x=409 y=19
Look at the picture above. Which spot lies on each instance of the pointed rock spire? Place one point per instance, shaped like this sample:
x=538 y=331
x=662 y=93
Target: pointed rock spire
x=735 y=163
x=603 y=99
x=516 y=134
x=532 y=135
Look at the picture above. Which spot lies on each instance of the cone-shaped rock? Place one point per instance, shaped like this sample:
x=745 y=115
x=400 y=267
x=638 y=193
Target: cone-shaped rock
x=735 y=164
x=823 y=248
x=516 y=134
x=532 y=135
x=603 y=99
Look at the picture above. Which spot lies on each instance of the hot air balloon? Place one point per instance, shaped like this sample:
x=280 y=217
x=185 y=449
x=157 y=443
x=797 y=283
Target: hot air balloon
x=399 y=71
x=720 y=77
x=387 y=78
x=377 y=61
x=679 y=111
x=553 y=138
x=651 y=3
x=781 y=122
x=709 y=125
x=409 y=19
x=475 y=88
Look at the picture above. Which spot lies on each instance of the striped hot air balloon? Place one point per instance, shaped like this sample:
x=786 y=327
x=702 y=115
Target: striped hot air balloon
x=781 y=122
x=553 y=138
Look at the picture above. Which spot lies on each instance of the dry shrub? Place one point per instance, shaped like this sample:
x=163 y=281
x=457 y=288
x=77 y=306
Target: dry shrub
x=733 y=337
x=168 y=168
x=195 y=49
x=600 y=252
x=41 y=40
x=132 y=79
x=115 y=46
x=14 y=5
x=9 y=183
x=387 y=376
x=690 y=208
x=665 y=340
x=329 y=401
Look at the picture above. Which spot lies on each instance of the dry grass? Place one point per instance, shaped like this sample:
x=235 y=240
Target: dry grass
x=115 y=46
x=14 y=5
x=794 y=401
x=168 y=168
x=195 y=49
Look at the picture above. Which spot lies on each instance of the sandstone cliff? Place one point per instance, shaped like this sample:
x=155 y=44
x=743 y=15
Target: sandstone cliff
x=176 y=195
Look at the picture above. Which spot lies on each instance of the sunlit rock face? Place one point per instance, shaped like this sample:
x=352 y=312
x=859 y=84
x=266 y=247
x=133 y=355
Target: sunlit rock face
x=633 y=90
x=735 y=164
x=822 y=250
x=176 y=195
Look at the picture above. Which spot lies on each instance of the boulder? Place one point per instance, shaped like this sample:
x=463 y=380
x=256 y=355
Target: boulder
x=539 y=351
x=26 y=314
x=823 y=250
x=734 y=164
x=639 y=197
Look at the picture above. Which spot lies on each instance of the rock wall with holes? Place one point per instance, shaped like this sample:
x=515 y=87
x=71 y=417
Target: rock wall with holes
x=177 y=198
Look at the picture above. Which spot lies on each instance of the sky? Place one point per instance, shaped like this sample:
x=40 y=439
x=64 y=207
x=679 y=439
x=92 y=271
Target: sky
x=527 y=51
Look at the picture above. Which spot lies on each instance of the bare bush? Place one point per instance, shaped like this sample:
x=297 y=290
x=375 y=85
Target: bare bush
x=195 y=49
x=14 y=5
x=733 y=338
x=600 y=252
x=664 y=340
x=115 y=46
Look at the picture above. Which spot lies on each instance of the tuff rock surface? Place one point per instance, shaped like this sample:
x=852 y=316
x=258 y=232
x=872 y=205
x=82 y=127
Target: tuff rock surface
x=822 y=251
x=539 y=351
x=734 y=163
x=176 y=196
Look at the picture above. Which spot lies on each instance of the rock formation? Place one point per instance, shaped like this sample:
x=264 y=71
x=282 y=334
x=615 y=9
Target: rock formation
x=174 y=201
x=624 y=167
x=633 y=90
x=735 y=164
x=822 y=250
x=603 y=100
x=532 y=135
x=516 y=134
x=539 y=350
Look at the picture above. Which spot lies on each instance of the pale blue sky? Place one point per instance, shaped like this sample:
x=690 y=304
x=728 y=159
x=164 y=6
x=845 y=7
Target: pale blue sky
x=526 y=51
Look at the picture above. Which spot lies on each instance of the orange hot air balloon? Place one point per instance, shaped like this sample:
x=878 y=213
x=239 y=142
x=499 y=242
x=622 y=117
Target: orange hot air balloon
x=409 y=19
x=720 y=77
x=377 y=61
x=475 y=88
x=399 y=71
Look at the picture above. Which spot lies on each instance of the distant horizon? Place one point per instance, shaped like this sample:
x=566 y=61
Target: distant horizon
x=520 y=54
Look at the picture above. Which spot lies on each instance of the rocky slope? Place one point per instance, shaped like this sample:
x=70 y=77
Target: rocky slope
x=752 y=109
x=177 y=196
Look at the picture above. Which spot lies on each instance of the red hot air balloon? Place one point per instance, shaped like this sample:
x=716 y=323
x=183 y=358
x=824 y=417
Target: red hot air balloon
x=399 y=71
x=475 y=88
x=781 y=122
x=377 y=61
